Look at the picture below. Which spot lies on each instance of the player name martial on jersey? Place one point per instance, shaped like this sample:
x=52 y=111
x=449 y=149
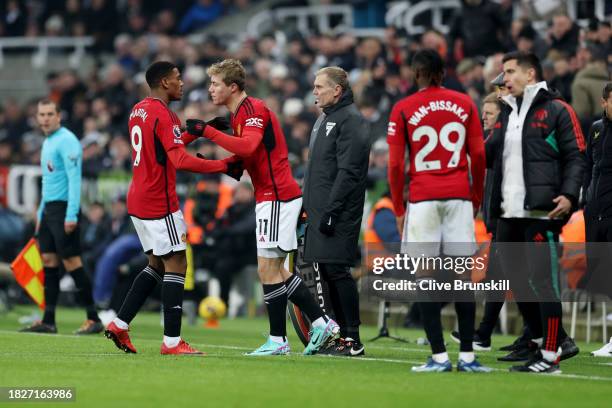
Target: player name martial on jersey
x=431 y=285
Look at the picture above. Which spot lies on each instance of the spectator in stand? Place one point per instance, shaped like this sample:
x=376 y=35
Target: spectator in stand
x=477 y=29
x=563 y=76
x=587 y=86
x=15 y=123
x=202 y=13
x=528 y=40
x=100 y=19
x=563 y=34
x=14 y=21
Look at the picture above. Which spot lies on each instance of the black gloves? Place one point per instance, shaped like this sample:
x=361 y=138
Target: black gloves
x=219 y=123
x=327 y=224
x=234 y=170
x=196 y=126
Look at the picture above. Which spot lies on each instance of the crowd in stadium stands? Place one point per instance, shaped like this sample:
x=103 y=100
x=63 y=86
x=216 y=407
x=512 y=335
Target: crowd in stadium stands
x=95 y=107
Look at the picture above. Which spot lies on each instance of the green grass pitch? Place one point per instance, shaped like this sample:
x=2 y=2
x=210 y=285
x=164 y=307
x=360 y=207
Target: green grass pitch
x=106 y=377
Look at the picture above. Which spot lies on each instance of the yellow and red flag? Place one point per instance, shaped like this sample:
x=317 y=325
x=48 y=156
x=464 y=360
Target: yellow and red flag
x=29 y=274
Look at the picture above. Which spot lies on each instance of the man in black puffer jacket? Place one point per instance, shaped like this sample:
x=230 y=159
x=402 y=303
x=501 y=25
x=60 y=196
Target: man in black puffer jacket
x=597 y=190
x=535 y=153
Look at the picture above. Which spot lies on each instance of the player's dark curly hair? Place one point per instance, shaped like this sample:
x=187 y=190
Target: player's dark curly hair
x=158 y=71
x=428 y=64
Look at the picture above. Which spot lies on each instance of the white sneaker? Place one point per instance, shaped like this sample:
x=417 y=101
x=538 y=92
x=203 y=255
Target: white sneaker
x=605 y=351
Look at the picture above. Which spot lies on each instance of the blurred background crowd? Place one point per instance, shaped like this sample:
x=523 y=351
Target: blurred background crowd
x=574 y=45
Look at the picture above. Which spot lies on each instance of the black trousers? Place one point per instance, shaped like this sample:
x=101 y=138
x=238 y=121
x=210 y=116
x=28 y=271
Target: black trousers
x=598 y=279
x=344 y=297
x=528 y=253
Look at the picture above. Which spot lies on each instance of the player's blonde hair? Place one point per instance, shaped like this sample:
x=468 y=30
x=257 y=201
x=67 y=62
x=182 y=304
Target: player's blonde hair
x=230 y=70
x=336 y=75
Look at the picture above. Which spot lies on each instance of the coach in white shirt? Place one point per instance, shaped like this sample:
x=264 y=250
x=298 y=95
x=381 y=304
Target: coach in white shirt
x=535 y=155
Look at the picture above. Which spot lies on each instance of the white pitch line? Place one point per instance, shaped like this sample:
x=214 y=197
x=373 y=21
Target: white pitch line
x=387 y=360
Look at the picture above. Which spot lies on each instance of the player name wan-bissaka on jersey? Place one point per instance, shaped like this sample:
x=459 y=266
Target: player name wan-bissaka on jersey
x=433 y=106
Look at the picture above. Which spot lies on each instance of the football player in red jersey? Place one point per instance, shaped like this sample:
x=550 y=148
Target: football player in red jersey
x=158 y=151
x=440 y=128
x=258 y=141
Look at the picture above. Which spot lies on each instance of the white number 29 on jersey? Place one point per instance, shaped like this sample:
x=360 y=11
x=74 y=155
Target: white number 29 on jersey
x=420 y=164
x=136 y=136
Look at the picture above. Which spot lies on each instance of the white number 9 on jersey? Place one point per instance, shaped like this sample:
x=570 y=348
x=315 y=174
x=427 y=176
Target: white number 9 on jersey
x=420 y=164
x=136 y=136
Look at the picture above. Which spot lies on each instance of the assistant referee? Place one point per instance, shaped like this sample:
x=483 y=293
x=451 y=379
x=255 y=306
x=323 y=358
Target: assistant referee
x=57 y=223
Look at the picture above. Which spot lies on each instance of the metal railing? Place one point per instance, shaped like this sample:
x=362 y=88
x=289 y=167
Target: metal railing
x=302 y=17
x=403 y=14
x=42 y=45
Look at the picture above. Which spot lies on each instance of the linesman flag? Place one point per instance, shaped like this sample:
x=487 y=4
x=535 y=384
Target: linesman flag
x=28 y=270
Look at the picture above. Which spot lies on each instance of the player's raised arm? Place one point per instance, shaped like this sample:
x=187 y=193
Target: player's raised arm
x=184 y=161
x=476 y=151
x=195 y=128
x=397 y=151
x=172 y=141
x=243 y=146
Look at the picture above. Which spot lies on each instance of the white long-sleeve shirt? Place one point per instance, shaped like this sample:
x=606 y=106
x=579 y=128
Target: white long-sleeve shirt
x=513 y=182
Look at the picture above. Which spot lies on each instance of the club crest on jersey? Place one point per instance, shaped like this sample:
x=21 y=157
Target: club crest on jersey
x=255 y=122
x=328 y=127
x=176 y=131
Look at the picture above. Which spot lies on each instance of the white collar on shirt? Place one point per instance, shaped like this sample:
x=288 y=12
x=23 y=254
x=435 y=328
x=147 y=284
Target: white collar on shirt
x=528 y=96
